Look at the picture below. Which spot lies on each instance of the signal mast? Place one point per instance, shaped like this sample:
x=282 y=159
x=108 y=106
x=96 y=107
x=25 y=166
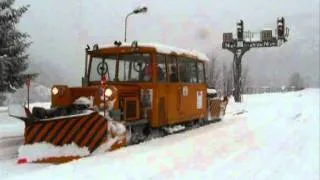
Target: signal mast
x=240 y=45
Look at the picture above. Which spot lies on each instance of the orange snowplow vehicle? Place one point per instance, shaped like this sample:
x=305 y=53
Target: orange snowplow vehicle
x=129 y=93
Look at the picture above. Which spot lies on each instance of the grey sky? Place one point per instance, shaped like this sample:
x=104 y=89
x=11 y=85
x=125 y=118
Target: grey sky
x=61 y=29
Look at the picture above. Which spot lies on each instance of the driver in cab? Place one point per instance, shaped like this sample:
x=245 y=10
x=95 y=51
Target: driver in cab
x=147 y=72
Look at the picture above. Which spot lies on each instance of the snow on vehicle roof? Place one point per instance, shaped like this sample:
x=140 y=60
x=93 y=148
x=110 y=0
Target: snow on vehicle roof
x=82 y=100
x=166 y=49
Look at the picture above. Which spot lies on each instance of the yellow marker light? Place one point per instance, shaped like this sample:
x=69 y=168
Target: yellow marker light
x=108 y=92
x=55 y=91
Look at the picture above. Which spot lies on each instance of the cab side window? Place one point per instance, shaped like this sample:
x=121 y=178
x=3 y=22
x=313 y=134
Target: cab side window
x=200 y=72
x=172 y=68
x=161 y=68
x=188 y=70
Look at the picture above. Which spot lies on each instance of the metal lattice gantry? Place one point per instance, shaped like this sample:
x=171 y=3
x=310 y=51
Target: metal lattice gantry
x=244 y=42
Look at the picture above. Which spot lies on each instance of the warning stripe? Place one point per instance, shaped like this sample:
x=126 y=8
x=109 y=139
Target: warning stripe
x=98 y=139
x=60 y=135
x=35 y=132
x=92 y=131
x=43 y=131
x=38 y=131
x=27 y=129
x=216 y=107
x=89 y=130
x=43 y=138
x=50 y=136
x=75 y=129
x=97 y=132
x=72 y=130
x=101 y=132
x=30 y=132
x=78 y=137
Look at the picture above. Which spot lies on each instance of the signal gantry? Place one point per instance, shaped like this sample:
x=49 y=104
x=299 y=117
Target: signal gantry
x=243 y=43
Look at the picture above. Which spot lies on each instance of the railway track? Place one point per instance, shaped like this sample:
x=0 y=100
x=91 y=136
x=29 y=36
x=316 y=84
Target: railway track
x=9 y=147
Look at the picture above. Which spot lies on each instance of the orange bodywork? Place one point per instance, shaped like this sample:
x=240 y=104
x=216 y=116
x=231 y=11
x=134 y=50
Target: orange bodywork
x=168 y=103
x=172 y=103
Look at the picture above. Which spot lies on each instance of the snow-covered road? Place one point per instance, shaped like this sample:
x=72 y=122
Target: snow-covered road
x=269 y=136
x=11 y=138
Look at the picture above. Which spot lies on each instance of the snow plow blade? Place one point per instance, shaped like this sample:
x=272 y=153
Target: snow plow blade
x=63 y=139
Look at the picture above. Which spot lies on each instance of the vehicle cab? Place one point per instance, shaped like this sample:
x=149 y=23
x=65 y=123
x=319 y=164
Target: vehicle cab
x=142 y=83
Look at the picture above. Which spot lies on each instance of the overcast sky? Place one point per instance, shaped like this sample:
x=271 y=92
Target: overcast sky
x=61 y=29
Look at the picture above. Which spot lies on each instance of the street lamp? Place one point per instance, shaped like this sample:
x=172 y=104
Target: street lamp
x=138 y=10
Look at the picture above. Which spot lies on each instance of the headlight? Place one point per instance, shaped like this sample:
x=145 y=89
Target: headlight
x=108 y=92
x=58 y=90
x=55 y=91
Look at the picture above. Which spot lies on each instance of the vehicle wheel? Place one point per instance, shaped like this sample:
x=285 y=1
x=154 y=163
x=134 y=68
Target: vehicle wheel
x=146 y=131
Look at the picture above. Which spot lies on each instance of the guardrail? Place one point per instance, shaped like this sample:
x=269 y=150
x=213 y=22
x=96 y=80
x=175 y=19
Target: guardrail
x=259 y=90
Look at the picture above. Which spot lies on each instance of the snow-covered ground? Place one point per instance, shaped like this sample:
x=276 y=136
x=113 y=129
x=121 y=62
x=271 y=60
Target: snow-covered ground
x=269 y=136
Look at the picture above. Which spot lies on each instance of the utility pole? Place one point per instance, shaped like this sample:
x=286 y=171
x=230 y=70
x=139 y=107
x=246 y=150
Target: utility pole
x=240 y=45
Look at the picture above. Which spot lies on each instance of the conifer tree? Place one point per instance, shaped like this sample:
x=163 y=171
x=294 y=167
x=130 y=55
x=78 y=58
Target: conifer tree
x=13 y=44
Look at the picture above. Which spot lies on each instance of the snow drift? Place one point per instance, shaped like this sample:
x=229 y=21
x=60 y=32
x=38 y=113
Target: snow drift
x=275 y=137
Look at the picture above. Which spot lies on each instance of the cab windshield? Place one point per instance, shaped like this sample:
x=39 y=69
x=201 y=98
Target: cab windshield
x=132 y=67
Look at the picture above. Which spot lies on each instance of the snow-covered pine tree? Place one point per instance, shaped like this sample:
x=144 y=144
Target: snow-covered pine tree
x=13 y=43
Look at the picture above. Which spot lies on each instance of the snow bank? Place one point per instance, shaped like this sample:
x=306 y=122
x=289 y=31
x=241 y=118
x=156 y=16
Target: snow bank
x=175 y=128
x=116 y=133
x=37 y=93
x=211 y=91
x=83 y=101
x=10 y=126
x=106 y=146
x=116 y=127
x=277 y=138
x=234 y=108
x=39 y=151
x=16 y=110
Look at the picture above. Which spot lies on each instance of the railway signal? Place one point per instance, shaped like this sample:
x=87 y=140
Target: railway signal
x=240 y=30
x=281 y=28
x=240 y=45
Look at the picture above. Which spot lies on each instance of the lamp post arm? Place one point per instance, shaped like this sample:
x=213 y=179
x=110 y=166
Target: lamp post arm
x=125 y=26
